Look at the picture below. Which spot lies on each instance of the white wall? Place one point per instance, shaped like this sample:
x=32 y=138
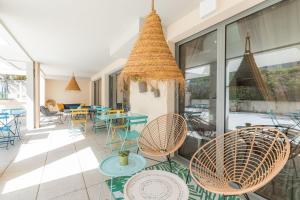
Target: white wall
x=55 y=89
x=42 y=88
x=146 y=103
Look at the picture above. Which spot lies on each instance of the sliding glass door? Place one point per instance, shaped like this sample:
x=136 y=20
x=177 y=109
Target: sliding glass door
x=263 y=83
x=97 y=92
x=118 y=98
x=248 y=67
x=198 y=60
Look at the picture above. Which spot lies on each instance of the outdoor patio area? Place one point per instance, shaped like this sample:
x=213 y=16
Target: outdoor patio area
x=150 y=100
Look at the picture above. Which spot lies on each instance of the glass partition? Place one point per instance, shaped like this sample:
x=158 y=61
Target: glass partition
x=198 y=60
x=118 y=98
x=263 y=83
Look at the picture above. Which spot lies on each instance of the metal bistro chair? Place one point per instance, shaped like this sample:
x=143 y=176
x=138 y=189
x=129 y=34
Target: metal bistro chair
x=129 y=133
x=98 y=123
x=5 y=132
x=163 y=136
x=18 y=114
x=50 y=115
x=79 y=117
x=240 y=161
x=117 y=123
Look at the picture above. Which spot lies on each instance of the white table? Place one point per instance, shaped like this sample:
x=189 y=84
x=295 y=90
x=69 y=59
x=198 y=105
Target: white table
x=155 y=185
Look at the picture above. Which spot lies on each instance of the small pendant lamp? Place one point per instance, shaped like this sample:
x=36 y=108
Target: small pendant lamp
x=151 y=58
x=73 y=85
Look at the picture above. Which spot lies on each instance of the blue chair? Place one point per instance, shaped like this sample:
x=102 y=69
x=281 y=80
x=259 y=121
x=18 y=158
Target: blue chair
x=17 y=113
x=130 y=135
x=5 y=131
x=97 y=122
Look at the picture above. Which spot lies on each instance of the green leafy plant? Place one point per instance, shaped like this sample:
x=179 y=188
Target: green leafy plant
x=124 y=153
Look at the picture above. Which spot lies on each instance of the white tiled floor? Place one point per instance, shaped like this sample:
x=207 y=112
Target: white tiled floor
x=54 y=163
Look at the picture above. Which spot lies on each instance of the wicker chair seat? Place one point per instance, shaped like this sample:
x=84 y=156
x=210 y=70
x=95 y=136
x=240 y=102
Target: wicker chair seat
x=240 y=161
x=163 y=136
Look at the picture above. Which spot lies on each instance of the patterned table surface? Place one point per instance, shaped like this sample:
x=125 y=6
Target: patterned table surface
x=156 y=185
x=110 y=166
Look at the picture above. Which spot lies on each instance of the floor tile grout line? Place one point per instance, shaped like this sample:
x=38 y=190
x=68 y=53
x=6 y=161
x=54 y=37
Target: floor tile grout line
x=12 y=160
x=78 y=159
x=42 y=175
x=65 y=194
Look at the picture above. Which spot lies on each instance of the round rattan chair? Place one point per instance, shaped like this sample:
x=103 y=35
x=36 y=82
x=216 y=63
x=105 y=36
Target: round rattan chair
x=240 y=161
x=163 y=136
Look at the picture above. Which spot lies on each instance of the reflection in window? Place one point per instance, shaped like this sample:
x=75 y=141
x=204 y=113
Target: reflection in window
x=198 y=60
x=263 y=88
x=12 y=87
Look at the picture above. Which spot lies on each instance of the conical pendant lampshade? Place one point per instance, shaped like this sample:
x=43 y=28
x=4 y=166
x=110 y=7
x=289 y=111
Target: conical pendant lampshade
x=248 y=74
x=73 y=85
x=151 y=58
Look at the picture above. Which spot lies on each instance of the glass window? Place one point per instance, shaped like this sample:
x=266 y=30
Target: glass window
x=12 y=87
x=198 y=60
x=263 y=82
x=118 y=98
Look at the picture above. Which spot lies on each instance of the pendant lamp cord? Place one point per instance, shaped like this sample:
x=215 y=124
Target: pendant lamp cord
x=153 y=5
x=248 y=44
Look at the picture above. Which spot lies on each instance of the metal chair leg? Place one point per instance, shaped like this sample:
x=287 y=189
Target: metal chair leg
x=187 y=177
x=169 y=160
x=246 y=196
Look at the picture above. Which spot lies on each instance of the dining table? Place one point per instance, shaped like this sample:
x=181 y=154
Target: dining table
x=10 y=121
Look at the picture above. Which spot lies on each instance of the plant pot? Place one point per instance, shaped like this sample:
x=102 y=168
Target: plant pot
x=143 y=86
x=156 y=93
x=123 y=158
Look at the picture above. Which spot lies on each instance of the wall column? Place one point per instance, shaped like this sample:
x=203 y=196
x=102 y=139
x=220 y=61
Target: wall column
x=36 y=70
x=30 y=96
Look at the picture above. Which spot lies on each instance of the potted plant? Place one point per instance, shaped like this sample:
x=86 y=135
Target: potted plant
x=142 y=84
x=123 y=157
x=155 y=91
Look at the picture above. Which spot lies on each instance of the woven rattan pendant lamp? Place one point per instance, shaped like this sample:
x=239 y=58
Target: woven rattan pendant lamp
x=151 y=58
x=73 y=85
x=248 y=74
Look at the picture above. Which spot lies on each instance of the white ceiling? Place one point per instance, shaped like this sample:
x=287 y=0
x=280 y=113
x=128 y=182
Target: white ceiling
x=77 y=35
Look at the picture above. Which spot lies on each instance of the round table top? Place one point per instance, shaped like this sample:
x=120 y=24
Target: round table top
x=155 y=185
x=110 y=166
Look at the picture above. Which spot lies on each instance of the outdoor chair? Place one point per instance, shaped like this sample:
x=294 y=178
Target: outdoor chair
x=240 y=161
x=98 y=123
x=283 y=127
x=118 y=123
x=129 y=132
x=5 y=132
x=163 y=136
x=200 y=126
x=79 y=118
x=57 y=116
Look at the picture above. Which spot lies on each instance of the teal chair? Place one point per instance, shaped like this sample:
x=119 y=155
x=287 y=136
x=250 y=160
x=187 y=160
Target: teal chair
x=129 y=134
x=98 y=123
x=5 y=131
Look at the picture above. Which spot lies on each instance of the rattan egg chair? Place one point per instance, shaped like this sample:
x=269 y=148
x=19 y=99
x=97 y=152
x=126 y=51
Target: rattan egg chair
x=163 y=136
x=240 y=161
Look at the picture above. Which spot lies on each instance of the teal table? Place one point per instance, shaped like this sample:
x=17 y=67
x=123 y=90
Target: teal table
x=111 y=167
x=108 y=118
x=15 y=114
